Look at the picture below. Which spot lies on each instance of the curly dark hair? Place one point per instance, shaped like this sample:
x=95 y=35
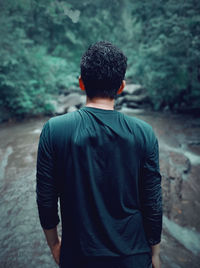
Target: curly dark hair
x=103 y=67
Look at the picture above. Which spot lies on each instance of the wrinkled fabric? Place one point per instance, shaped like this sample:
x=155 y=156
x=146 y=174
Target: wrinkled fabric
x=143 y=260
x=103 y=166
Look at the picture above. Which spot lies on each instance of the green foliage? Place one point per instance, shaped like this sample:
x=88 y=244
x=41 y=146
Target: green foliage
x=42 y=42
x=168 y=58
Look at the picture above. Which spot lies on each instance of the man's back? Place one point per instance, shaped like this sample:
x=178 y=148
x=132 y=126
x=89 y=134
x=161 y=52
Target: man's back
x=99 y=158
x=104 y=167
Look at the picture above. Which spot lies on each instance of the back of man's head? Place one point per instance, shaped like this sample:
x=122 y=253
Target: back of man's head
x=103 y=67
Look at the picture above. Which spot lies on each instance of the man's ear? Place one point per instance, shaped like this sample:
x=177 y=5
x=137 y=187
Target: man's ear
x=81 y=84
x=121 y=87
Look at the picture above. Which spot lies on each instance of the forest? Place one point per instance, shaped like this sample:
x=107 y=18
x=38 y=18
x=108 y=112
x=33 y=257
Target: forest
x=42 y=41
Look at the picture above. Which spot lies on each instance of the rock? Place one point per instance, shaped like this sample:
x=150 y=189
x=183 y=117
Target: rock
x=82 y=101
x=62 y=98
x=132 y=96
x=172 y=258
x=132 y=104
x=136 y=98
x=64 y=102
x=133 y=89
x=58 y=108
x=178 y=162
x=172 y=165
x=70 y=100
x=72 y=109
x=131 y=111
x=180 y=185
x=119 y=101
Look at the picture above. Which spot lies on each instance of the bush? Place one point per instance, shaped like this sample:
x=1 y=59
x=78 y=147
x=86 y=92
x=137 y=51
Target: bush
x=42 y=43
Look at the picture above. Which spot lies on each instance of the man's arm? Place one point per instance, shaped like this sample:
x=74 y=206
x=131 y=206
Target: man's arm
x=156 y=255
x=151 y=199
x=54 y=242
x=46 y=192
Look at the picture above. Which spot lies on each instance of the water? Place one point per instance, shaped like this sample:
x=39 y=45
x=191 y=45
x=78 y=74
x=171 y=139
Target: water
x=186 y=236
x=22 y=240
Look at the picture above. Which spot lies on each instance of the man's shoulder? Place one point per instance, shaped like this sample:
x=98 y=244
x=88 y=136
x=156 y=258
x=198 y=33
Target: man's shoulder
x=142 y=131
x=136 y=123
x=65 y=119
x=62 y=125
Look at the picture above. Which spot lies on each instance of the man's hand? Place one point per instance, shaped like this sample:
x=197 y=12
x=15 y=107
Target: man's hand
x=156 y=261
x=156 y=256
x=55 y=250
x=54 y=242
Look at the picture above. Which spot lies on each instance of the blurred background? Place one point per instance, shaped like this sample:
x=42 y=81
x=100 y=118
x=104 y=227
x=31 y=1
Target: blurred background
x=41 y=43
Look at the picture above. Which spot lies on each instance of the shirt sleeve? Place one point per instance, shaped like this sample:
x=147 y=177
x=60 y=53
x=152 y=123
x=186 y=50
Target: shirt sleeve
x=151 y=193
x=46 y=191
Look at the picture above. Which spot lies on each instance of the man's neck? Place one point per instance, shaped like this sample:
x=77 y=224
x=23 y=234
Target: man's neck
x=101 y=103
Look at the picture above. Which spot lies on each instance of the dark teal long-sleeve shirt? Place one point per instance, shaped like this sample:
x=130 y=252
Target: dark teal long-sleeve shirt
x=104 y=167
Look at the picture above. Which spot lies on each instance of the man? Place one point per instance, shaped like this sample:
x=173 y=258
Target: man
x=103 y=166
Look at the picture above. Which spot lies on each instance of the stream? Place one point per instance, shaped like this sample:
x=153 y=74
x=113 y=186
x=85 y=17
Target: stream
x=22 y=241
